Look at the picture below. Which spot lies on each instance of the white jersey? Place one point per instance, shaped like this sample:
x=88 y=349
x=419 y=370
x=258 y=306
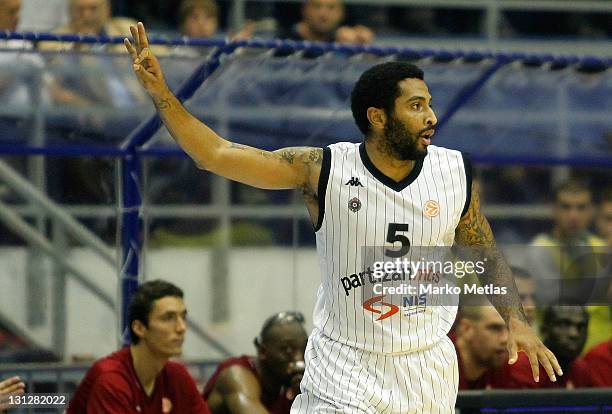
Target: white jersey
x=359 y=206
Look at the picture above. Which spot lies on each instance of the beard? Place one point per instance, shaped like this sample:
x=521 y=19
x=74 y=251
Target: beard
x=400 y=143
x=493 y=361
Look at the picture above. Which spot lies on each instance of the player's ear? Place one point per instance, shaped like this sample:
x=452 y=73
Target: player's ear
x=261 y=348
x=465 y=328
x=377 y=118
x=139 y=328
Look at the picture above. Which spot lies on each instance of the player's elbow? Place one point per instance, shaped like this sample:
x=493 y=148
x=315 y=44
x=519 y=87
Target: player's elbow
x=210 y=160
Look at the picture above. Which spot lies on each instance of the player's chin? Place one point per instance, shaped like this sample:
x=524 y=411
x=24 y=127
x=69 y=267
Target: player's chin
x=421 y=152
x=174 y=351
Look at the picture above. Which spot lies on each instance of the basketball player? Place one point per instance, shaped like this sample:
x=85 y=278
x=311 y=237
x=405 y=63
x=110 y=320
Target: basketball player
x=140 y=379
x=267 y=383
x=394 y=189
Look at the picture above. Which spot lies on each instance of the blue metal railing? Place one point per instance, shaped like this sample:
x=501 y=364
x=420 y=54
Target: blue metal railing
x=130 y=150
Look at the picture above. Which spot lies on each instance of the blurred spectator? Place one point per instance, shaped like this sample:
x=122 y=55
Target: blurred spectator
x=321 y=21
x=564 y=332
x=599 y=363
x=141 y=377
x=526 y=287
x=8 y=387
x=93 y=17
x=199 y=18
x=481 y=342
x=567 y=265
x=13 y=89
x=90 y=17
x=268 y=382
x=21 y=75
x=9 y=14
x=43 y=15
x=604 y=217
x=569 y=239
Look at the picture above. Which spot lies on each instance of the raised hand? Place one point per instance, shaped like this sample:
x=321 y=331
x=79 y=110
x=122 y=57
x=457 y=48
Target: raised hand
x=145 y=64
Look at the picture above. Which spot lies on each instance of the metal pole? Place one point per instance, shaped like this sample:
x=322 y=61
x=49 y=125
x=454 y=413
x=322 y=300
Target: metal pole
x=59 y=294
x=131 y=226
x=36 y=287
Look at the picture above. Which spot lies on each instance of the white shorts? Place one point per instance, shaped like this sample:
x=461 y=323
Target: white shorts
x=343 y=379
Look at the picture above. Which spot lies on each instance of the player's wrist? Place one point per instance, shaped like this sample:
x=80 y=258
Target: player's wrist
x=162 y=94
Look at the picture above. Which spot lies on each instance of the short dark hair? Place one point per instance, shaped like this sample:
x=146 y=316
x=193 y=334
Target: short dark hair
x=573 y=185
x=549 y=316
x=187 y=7
x=378 y=87
x=142 y=302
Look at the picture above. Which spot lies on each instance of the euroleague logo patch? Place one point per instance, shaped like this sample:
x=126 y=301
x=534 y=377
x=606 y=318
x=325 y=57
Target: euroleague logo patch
x=354 y=204
x=431 y=208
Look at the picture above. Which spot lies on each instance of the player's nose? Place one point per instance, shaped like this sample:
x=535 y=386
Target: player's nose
x=431 y=119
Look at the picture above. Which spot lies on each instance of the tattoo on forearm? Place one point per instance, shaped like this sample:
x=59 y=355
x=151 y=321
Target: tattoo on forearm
x=163 y=104
x=474 y=231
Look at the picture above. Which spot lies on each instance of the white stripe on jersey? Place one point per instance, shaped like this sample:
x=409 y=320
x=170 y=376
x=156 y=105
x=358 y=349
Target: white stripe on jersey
x=360 y=206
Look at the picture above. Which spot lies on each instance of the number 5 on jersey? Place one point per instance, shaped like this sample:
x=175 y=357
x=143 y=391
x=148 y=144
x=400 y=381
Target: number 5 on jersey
x=393 y=236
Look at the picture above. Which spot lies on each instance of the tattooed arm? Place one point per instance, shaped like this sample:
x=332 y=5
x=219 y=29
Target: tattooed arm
x=283 y=169
x=474 y=231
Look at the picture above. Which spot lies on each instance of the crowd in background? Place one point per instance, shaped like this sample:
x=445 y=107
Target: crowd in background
x=208 y=18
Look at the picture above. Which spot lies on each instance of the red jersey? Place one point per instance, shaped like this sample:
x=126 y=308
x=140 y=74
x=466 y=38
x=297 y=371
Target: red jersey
x=279 y=404
x=111 y=386
x=599 y=362
x=491 y=378
x=577 y=376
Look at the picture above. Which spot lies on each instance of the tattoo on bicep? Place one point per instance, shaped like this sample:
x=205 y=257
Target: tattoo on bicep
x=315 y=156
x=474 y=229
x=288 y=156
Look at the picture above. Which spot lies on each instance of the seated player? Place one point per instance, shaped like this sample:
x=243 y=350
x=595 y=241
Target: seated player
x=564 y=332
x=599 y=363
x=140 y=379
x=8 y=387
x=481 y=343
x=267 y=383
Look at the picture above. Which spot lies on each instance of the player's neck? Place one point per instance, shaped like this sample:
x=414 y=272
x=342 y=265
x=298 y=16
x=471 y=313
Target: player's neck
x=309 y=35
x=393 y=168
x=147 y=366
x=269 y=384
x=471 y=368
x=566 y=238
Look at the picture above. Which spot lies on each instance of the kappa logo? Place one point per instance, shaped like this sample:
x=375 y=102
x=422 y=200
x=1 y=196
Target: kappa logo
x=354 y=182
x=393 y=309
x=431 y=208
